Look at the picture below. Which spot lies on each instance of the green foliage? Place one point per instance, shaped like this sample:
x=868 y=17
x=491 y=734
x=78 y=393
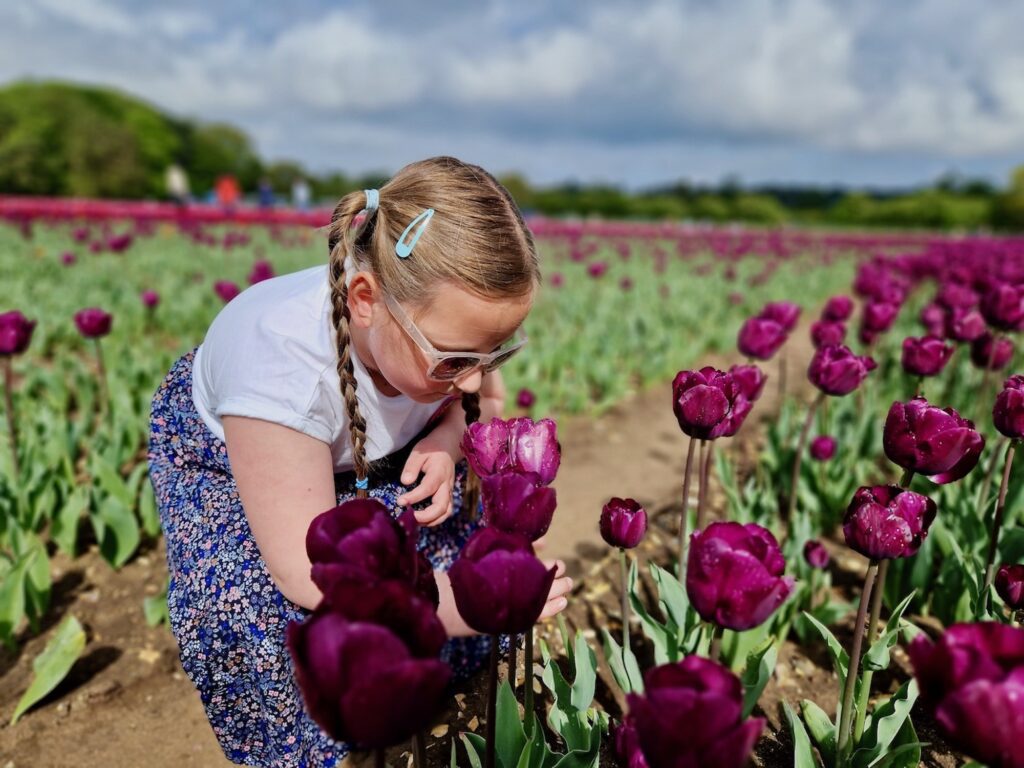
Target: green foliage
x=53 y=664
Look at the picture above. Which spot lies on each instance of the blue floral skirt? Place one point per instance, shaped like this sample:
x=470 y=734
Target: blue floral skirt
x=226 y=612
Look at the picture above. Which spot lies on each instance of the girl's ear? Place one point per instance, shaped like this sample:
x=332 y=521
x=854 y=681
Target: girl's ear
x=363 y=295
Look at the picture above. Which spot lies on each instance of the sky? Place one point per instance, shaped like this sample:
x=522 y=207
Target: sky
x=868 y=93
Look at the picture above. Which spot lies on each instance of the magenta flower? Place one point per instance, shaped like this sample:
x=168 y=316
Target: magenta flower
x=261 y=270
x=150 y=299
x=690 y=714
x=925 y=356
x=525 y=398
x=785 y=313
x=15 y=333
x=1010 y=586
x=68 y=258
x=836 y=371
x=825 y=333
x=952 y=294
x=964 y=324
x=623 y=523
x=557 y=280
x=734 y=575
x=708 y=403
x=885 y=521
x=823 y=448
x=597 y=268
x=878 y=318
x=1002 y=306
x=837 y=309
x=93 y=322
x=226 y=290
x=933 y=318
x=982 y=352
x=972 y=681
x=518 y=503
x=931 y=441
x=516 y=445
x=816 y=555
x=750 y=380
x=499 y=586
x=1008 y=412
x=627 y=744
x=760 y=338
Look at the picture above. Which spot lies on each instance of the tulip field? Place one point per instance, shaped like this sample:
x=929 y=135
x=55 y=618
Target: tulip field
x=838 y=582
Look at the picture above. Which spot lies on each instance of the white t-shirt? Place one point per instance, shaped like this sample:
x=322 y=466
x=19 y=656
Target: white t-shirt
x=271 y=354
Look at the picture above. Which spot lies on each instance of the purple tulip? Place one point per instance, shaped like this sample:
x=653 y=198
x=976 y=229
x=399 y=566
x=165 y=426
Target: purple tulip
x=120 y=243
x=925 y=356
x=557 y=280
x=597 y=268
x=708 y=403
x=879 y=316
x=626 y=284
x=972 y=681
x=750 y=380
x=931 y=441
x=359 y=541
x=623 y=523
x=734 y=575
x=1002 y=306
x=1010 y=586
x=15 y=333
x=953 y=294
x=982 y=352
x=150 y=299
x=499 y=585
x=68 y=258
x=518 y=503
x=825 y=333
x=627 y=744
x=837 y=309
x=785 y=313
x=760 y=338
x=93 y=322
x=261 y=270
x=690 y=714
x=933 y=318
x=226 y=290
x=823 y=448
x=816 y=555
x=525 y=398
x=361 y=683
x=836 y=371
x=963 y=324
x=885 y=521
x=1008 y=412
x=516 y=445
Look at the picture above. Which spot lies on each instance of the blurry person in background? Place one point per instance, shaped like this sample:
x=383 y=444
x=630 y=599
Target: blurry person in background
x=300 y=193
x=177 y=184
x=265 y=193
x=227 y=191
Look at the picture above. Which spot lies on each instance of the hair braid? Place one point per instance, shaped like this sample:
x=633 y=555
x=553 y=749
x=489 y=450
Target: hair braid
x=471 y=489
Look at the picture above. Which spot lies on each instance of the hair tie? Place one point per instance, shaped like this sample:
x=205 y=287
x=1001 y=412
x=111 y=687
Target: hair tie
x=372 y=200
x=363 y=483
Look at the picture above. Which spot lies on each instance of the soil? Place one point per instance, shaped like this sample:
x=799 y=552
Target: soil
x=127 y=703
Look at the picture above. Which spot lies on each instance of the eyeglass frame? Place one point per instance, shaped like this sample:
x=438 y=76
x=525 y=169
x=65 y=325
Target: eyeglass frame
x=438 y=356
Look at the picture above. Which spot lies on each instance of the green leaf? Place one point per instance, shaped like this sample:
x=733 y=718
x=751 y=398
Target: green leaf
x=586 y=756
x=671 y=595
x=585 y=681
x=12 y=597
x=110 y=480
x=155 y=609
x=148 y=514
x=840 y=658
x=64 y=529
x=905 y=750
x=822 y=729
x=116 y=529
x=476 y=747
x=536 y=754
x=803 y=754
x=664 y=637
x=509 y=736
x=760 y=665
x=623 y=664
x=877 y=657
x=886 y=721
x=53 y=664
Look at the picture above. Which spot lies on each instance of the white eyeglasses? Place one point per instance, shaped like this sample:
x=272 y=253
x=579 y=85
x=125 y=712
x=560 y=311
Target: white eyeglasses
x=446 y=366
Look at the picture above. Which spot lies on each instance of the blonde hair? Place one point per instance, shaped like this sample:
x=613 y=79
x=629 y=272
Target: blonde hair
x=477 y=240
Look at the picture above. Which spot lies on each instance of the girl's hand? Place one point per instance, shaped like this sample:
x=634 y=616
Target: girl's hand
x=558 y=597
x=432 y=458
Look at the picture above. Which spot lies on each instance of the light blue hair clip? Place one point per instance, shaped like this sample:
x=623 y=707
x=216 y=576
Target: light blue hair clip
x=363 y=483
x=403 y=248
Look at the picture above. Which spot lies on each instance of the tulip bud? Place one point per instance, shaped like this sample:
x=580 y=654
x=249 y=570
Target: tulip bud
x=985 y=349
x=879 y=316
x=516 y=445
x=150 y=299
x=597 y=269
x=931 y=441
x=525 y=398
x=760 y=338
x=734 y=575
x=837 y=309
x=1010 y=586
x=518 y=503
x=623 y=523
x=708 y=403
x=885 y=521
x=826 y=333
x=68 y=258
x=836 y=371
x=963 y=324
x=1002 y=306
x=933 y=318
x=750 y=379
x=226 y=290
x=816 y=555
x=627 y=744
x=784 y=313
x=823 y=448
x=953 y=294
x=93 y=323
x=1008 y=412
x=15 y=333
x=261 y=270
x=925 y=356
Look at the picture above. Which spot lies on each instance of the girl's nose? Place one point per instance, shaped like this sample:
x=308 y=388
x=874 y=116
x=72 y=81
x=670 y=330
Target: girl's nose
x=470 y=382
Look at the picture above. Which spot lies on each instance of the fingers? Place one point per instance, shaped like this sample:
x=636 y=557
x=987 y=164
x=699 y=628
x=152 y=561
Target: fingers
x=540 y=544
x=419 y=493
x=440 y=510
x=558 y=596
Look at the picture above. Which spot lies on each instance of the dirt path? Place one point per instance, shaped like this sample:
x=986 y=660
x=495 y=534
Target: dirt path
x=127 y=703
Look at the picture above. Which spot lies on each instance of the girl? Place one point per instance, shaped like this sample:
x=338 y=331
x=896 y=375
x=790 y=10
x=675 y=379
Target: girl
x=315 y=387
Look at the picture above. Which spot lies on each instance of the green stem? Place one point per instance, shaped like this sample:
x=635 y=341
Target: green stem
x=528 y=677
x=12 y=424
x=800 y=445
x=419 y=750
x=986 y=486
x=873 y=633
x=686 y=509
x=513 y=661
x=104 y=392
x=997 y=522
x=846 y=719
x=782 y=375
x=707 y=449
x=715 y=653
x=492 y=703
x=625 y=599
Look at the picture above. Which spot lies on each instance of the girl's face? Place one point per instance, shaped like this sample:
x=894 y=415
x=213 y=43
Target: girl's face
x=456 y=321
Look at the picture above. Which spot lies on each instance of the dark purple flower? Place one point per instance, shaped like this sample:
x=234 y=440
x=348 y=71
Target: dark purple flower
x=879 y=316
x=925 y=356
x=823 y=448
x=499 y=585
x=972 y=681
x=690 y=714
x=623 y=523
x=1010 y=586
x=785 y=313
x=734 y=575
x=597 y=268
x=261 y=270
x=517 y=502
x=150 y=299
x=816 y=555
x=982 y=352
x=837 y=309
x=119 y=243
x=516 y=445
x=760 y=338
x=953 y=294
x=931 y=441
x=626 y=283
x=627 y=744
x=93 y=322
x=836 y=371
x=557 y=280
x=933 y=318
x=708 y=403
x=750 y=380
x=226 y=290
x=15 y=333
x=1008 y=412
x=525 y=398
x=1002 y=306
x=964 y=324
x=68 y=258
x=825 y=333
x=361 y=683
x=885 y=521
